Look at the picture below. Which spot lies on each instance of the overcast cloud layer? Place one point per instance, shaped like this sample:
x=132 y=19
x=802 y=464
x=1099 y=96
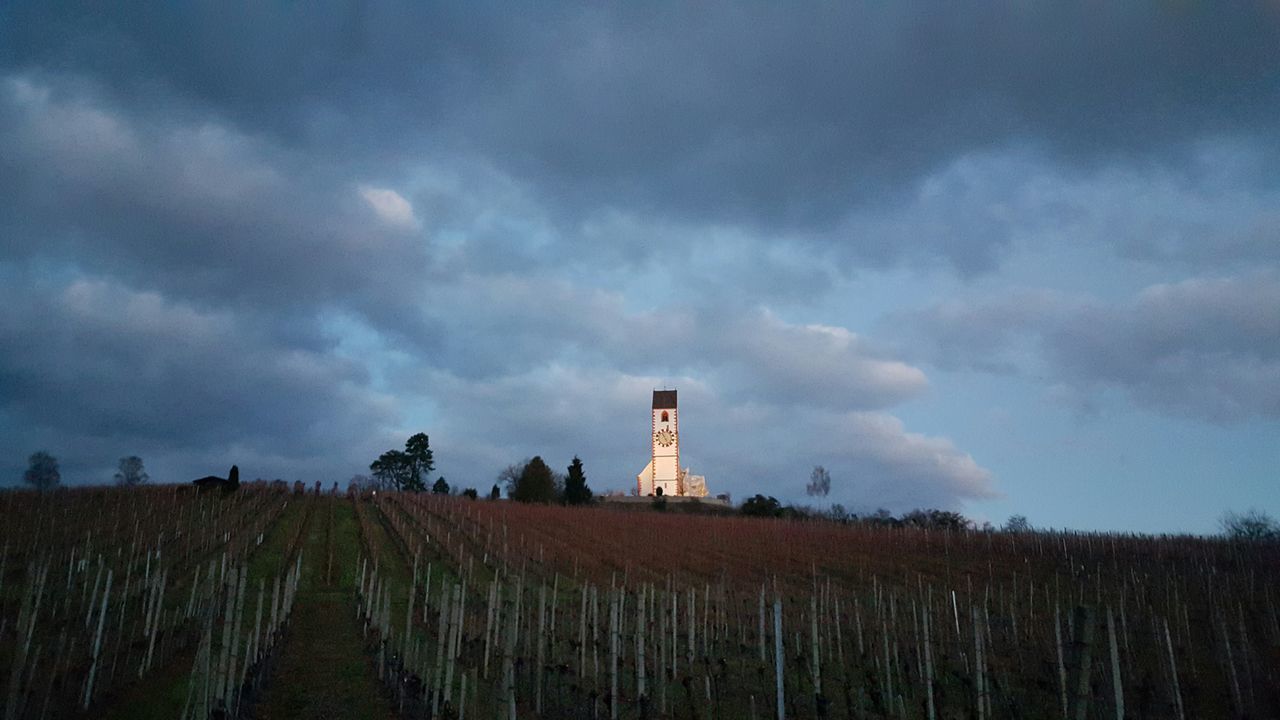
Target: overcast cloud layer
x=289 y=236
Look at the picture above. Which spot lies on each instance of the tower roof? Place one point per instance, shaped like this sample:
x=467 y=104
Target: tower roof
x=664 y=399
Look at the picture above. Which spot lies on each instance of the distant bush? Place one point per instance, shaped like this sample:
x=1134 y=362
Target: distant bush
x=761 y=506
x=932 y=518
x=937 y=520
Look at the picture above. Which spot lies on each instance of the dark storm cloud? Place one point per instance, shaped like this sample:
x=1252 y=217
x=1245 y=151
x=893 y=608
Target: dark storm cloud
x=194 y=209
x=90 y=364
x=519 y=221
x=764 y=115
x=168 y=281
x=1207 y=348
x=987 y=335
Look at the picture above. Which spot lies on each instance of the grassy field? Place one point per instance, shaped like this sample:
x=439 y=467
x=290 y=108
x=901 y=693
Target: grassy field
x=421 y=605
x=323 y=670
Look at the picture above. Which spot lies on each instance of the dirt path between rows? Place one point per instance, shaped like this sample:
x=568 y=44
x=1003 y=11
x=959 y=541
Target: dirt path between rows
x=322 y=671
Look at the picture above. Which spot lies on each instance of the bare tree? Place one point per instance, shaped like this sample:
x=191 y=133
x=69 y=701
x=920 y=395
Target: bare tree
x=819 y=482
x=510 y=476
x=1251 y=525
x=1017 y=524
x=42 y=471
x=131 y=472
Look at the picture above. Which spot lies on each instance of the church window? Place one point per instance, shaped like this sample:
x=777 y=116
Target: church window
x=664 y=416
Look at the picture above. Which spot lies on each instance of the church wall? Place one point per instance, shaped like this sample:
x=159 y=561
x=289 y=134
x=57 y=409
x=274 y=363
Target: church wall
x=666 y=458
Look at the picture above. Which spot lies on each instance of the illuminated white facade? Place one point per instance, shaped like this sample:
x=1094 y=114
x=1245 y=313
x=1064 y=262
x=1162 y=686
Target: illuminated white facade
x=663 y=475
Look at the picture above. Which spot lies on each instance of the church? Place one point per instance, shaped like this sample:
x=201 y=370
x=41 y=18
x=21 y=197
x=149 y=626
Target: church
x=663 y=475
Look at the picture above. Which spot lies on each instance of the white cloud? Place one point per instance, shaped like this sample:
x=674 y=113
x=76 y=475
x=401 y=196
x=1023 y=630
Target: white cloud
x=903 y=468
x=191 y=207
x=390 y=206
x=506 y=324
x=808 y=365
x=144 y=316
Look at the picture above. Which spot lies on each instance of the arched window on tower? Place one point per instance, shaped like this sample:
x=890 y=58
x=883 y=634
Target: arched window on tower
x=664 y=416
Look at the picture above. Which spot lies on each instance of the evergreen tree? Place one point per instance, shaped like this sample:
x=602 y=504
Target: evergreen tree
x=536 y=483
x=440 y=487
x=383 y=473
x=576 y=491
x=394 y=470
x=407 y=469
x=418 y=455
x=495 y=493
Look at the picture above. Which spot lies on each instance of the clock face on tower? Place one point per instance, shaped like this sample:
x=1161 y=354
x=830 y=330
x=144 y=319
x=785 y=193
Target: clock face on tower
x=664 y=437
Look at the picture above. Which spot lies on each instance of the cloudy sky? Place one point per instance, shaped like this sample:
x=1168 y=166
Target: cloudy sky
x=1002 y=258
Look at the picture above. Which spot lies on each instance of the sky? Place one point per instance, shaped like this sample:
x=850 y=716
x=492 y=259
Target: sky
x=998 y=257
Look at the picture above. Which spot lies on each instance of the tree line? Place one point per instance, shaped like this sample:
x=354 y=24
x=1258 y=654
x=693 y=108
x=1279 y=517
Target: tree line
x=42 y=471
x=769 y=506
x=533 y=481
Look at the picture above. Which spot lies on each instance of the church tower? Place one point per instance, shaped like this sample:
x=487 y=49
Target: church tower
x=663 y=475
x=666 y=443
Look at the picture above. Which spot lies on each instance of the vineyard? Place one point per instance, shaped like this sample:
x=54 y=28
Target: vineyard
x=272 y=602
